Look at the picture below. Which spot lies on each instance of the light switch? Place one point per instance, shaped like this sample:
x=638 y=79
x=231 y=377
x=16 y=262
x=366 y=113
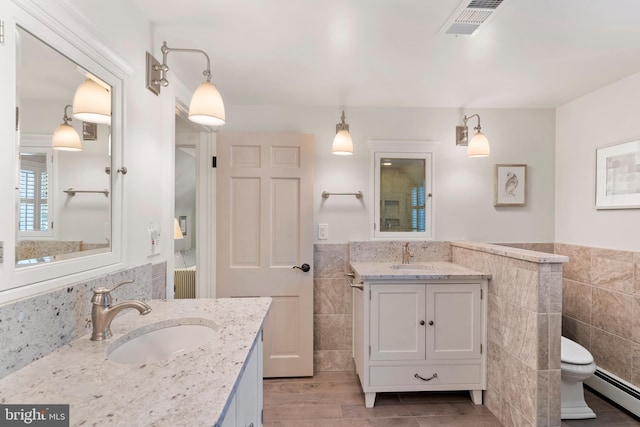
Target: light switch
x=323 y=231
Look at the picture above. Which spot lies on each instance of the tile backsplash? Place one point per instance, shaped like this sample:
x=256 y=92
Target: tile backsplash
x=34 y=327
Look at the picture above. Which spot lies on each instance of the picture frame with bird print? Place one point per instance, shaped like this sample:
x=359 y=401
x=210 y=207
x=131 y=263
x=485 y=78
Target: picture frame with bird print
x=510 y=185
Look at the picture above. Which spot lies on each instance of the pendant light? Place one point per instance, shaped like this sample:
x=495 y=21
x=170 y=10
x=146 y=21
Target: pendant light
x=342 y=142
x=206 y=106
x=65 y=137
x=92 y=102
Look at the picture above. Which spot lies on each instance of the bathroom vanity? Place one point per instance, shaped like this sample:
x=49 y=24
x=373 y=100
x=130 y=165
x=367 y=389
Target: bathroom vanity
x=218 y=382
x=419 y=327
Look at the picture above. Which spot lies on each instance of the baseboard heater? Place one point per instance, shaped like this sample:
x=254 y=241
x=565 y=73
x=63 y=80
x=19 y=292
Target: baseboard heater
x=616 y=389
x=184 y=284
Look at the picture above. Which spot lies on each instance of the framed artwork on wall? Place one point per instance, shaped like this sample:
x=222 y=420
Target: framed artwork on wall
x=89 y=131
x=182 y=220
x=618 y=176
x=510 y=185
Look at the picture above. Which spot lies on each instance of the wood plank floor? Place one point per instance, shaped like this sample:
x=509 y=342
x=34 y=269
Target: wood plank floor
x=335 y=399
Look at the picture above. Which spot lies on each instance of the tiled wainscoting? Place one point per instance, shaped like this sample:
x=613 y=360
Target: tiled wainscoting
x=34 y=327
x=601 y=306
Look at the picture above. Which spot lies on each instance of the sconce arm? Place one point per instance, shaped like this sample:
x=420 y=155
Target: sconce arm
x=478 y=128
x=164 y=67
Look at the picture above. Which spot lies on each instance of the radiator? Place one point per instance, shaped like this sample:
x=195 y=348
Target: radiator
x=184 y=283
x=615 y=388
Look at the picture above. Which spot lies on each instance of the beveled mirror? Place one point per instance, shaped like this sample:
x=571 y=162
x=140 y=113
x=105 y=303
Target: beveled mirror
x=64 y=197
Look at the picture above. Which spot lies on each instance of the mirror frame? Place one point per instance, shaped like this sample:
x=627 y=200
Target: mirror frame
x=54 y=27
x=403 y=150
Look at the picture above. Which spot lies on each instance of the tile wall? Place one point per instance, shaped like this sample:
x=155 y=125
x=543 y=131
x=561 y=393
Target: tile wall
x=524 y=323
x=34 y=327
x=601 y=306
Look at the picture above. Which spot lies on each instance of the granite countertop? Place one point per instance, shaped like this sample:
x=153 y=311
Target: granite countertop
x=192 y=388
x=415 y=271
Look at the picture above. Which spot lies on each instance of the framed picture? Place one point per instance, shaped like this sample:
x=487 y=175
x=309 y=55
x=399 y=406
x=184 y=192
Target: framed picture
x=89 y=131
x=618 y=176
x=510 y=185
x=183 y=224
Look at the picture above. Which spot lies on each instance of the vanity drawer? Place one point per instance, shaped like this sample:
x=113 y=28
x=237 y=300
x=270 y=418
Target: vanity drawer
x=406 y=375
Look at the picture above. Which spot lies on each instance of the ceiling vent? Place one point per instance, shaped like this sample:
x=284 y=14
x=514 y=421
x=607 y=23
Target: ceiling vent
x=470 y=16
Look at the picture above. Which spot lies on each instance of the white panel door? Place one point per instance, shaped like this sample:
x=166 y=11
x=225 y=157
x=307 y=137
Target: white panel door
x=456 y=332
x=265 y=228
x=397 y=322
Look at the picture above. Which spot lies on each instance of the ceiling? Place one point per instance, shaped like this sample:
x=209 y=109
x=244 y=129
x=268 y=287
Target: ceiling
x=391 y=53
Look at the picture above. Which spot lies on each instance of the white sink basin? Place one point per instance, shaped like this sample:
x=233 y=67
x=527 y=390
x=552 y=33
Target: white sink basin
x=413 y=266
x=161 y=343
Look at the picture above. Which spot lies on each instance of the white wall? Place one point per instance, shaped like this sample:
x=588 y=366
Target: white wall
x=463 y=193
x=600 y=118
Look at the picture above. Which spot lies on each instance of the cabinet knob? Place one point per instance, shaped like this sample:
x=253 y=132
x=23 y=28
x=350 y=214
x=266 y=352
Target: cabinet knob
x=430 y=322
x=422 y=322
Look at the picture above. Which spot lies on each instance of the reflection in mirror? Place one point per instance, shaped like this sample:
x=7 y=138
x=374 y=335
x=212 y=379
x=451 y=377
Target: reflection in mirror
x=54 y=223
x=402 y=195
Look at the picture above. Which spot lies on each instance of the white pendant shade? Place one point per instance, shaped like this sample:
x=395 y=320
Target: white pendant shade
x=92 y=103
x=66 y=138
x=342 y=143
x=478 y=146
x=206 y=106
x=177 y=232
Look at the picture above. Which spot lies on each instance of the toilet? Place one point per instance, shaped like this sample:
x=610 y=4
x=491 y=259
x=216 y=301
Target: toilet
x=577 y=365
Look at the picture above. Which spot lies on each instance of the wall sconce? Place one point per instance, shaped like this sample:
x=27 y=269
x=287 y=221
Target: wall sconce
x=342 y=143
x=177 y=232
x=92 y=102
x=65 y=137
x=206 y=107
x=479 y=144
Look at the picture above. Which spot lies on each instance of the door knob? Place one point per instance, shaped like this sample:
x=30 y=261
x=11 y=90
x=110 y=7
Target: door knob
x=304 y=267
x=431 y=322
x=422 y=322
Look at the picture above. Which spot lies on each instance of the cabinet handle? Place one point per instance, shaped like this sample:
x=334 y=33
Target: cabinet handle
x=426 y=379
x=430 y=322
x=422 y=323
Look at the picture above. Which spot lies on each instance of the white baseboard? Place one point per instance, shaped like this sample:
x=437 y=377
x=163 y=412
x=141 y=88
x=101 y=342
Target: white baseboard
x=616 y=389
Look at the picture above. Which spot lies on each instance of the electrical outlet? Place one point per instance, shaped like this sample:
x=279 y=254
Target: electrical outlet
x=323 y=231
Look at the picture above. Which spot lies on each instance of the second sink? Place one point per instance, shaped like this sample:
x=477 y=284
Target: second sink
x=161 y=343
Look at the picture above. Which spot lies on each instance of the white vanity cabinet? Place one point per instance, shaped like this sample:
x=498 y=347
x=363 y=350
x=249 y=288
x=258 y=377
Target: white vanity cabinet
x=245 y=409
x=420 y=335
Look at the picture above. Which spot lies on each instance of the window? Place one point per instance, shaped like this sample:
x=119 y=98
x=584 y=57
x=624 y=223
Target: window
x=403 y=183
x=34 y=217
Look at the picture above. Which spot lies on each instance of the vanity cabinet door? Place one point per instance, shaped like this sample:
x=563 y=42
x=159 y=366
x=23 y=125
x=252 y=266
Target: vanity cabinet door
x=397 y=322
x=456 y=313
x=249 y=393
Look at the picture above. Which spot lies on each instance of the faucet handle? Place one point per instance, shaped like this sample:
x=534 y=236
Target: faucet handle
x=100 y=291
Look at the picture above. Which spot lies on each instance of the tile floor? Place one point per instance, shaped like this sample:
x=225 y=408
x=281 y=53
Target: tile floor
x=334 y=399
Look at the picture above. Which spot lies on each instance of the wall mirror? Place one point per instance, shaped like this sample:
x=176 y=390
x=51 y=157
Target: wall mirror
x=64 y=197
x=403 y=194
x=62 y=214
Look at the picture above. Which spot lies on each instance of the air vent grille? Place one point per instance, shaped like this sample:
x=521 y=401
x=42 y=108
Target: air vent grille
x=470 y=16
x=484 y=4
x=473 y=16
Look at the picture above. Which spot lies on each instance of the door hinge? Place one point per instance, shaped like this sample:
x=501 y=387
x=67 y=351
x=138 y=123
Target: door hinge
x=1 y=32
x=369 y=350
x=374 y=226
x=480 y=348
x=261 y=416
x=369 y=294
x=52 y=225
x=481 y=293
x=214 y=162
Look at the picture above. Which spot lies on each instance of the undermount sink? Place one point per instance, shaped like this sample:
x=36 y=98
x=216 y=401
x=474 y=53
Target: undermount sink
x=413 y=266
x=161 y=343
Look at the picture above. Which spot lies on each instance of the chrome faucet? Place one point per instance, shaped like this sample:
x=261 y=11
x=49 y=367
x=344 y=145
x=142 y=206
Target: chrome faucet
x=102 y=312
x=406 y=253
